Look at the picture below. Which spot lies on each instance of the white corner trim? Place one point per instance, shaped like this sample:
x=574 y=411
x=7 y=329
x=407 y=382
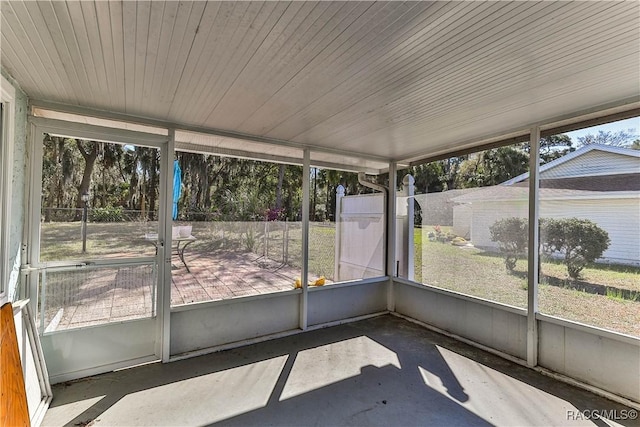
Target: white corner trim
x=7 y=97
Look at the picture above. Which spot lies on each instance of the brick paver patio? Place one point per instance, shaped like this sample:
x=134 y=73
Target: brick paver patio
x=86 y=298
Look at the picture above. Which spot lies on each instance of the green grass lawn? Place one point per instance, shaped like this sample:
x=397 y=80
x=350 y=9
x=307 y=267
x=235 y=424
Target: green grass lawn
x=475 y=272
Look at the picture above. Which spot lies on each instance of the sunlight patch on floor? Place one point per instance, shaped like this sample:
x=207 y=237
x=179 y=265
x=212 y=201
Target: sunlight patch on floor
x=328 y=364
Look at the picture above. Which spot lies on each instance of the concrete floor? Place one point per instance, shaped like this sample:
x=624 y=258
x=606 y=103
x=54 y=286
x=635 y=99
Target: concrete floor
x=383 y=371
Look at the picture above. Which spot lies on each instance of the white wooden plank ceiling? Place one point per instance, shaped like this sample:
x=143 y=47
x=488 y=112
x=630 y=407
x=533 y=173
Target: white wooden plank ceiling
x=387 y=79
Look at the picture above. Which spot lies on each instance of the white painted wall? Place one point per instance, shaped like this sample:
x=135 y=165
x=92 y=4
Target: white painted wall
x=491 y=324
x=201 y=326
x=78 y=353
x=606 y=360
x=338 y=302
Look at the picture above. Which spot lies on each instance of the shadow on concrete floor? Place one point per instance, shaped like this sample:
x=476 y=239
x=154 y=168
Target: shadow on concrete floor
x=383 y=371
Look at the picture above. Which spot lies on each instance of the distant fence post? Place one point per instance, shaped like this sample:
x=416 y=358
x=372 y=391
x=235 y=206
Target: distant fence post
x=408 y=182
x=338 y=221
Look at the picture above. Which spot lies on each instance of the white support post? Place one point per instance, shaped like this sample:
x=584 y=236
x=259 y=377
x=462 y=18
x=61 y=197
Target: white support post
x=163 y=257
x=34 y=212
x=409 y=188
x=391 y=233
x=338 y=224
x=533 y=259
x=304 y=274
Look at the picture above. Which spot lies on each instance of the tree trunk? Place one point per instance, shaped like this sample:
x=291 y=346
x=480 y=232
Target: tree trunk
x=152 y=186
x=89 y=161
x=279 y=188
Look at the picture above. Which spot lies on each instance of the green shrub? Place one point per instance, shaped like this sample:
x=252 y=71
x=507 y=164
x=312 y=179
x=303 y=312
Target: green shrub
x=108 y=214
x=512 y=236
x=580 y=241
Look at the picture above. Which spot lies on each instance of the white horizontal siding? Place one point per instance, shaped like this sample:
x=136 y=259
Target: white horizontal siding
x=595 y=162
x=620 y=218
x=487 y=213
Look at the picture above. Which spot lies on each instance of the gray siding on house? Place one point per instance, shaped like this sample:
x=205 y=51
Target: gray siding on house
x=594 y=162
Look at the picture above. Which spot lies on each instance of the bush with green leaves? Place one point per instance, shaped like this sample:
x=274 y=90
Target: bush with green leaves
x=579 y=241
x=107 y=214
x=512 y=236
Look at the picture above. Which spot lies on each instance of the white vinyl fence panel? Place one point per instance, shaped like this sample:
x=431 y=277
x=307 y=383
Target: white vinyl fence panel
x=360 y=237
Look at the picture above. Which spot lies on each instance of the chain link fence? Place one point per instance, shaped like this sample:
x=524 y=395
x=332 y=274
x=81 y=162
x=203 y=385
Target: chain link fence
x=108 y=214
x=81 y=296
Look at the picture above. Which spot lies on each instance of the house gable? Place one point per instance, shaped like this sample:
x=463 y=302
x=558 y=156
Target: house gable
x=588 y=161
x=594 y=162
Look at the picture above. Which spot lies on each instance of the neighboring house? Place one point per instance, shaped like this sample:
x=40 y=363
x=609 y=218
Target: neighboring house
x=596 y=182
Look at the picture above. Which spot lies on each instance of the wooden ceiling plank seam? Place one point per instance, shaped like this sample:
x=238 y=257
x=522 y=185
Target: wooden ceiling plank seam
x=567 y=66
x=224 y=70
x=326 y=36
x=52 y=26
x=368 y=28
x=289 y=39
x=96 y=40
x=183 y=15
x=359 y=67
x=290 y=20
x=129 y=47
x=90 y=53
x=207 y=43
x=448 y=94
x=72 y=45
x=169 y=17
x=235 y=71
x=153 y=48
x=398 y=71
x=207 y=58
x=431 y=129
x=292 y=52
x=112 y=16
x=19 y=55
x=457 y=121
x=304 y=49
x=28 y=25
x=281 y=18
x=439 y=85
x=461 y=120
x=541 y=74
x=142 y=35
x=80 y=31
x=597 y=86
x=296 y=84
x=189 y=38
x=11 y=58
x=470 y=60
